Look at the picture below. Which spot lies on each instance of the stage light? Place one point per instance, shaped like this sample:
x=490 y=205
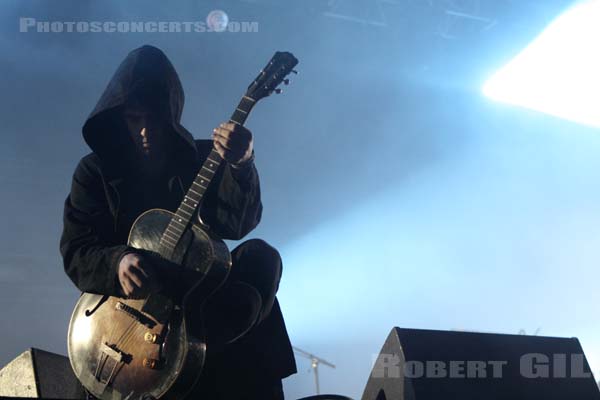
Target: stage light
x=559 y=72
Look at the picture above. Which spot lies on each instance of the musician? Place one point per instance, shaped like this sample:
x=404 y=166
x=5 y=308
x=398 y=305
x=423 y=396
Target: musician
x=143 y=158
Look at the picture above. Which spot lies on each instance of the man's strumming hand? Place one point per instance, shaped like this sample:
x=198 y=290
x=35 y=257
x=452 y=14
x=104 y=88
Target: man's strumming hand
x=137 y=276
x=233 y=142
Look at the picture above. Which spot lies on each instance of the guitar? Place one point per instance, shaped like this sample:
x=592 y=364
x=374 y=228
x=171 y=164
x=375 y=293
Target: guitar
x=142 y=348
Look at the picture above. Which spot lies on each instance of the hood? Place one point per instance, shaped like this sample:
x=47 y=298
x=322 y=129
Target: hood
x=146 y=68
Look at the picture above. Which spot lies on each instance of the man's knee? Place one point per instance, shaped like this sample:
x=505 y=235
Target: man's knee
x=260 y=250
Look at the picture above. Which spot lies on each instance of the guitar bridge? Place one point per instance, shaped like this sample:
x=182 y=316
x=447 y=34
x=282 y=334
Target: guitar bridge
x=118 y=357
x=113 y=353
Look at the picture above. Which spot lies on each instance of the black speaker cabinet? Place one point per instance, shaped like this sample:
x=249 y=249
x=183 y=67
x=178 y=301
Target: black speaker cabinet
x=41 y=375
x=417 y=364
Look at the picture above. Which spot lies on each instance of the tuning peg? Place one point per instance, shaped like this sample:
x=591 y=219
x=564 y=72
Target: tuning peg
x=278 y=90
x=295 y=72
x=286 y=81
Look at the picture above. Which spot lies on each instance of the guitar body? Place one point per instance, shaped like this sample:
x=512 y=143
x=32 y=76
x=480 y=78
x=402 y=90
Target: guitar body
x=143 y=349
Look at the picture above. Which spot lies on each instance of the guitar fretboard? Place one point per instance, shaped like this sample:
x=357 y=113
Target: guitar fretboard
x=194 y=195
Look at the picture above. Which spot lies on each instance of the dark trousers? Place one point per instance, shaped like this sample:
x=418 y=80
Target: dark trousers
x=253 y=366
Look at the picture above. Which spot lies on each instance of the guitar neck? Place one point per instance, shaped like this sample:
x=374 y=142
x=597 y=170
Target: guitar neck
x=195 y=193
x=273 y=74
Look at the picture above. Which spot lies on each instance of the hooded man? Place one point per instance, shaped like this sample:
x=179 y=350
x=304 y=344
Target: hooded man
x=143 y=158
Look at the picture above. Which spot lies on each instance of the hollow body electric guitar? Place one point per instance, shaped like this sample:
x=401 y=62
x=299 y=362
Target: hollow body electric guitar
x=142 y=348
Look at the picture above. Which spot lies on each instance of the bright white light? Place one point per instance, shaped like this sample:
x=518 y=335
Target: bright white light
x=559 y=72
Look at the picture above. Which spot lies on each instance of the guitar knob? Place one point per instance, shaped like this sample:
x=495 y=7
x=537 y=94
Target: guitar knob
x=151 y=337
x=278 y=91
x=150 y=363
x=286 y=81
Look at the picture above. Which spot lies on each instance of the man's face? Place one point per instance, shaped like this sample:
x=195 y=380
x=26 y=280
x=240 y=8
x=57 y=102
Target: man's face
x=147 y=129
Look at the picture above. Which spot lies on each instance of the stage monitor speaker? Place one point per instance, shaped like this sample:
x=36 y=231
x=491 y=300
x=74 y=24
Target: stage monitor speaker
x=40 y=374
x=417 y=364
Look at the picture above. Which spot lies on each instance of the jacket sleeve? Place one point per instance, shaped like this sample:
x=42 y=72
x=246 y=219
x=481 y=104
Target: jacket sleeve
x=90 y=257
x=233 y=206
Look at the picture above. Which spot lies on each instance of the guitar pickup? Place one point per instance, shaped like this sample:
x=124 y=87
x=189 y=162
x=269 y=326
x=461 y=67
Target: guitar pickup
x=135 y=314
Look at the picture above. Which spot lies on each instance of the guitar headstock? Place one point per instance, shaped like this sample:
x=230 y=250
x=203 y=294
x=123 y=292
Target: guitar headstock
x=271 y=76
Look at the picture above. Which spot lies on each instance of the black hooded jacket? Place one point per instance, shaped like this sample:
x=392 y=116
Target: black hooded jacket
x=101 y=207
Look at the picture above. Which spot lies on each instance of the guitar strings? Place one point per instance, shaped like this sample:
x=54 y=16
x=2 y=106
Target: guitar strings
x=130 y=333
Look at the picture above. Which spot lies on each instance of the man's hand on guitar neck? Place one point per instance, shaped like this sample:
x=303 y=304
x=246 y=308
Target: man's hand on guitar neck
x=233 y=142
x=137 y=276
